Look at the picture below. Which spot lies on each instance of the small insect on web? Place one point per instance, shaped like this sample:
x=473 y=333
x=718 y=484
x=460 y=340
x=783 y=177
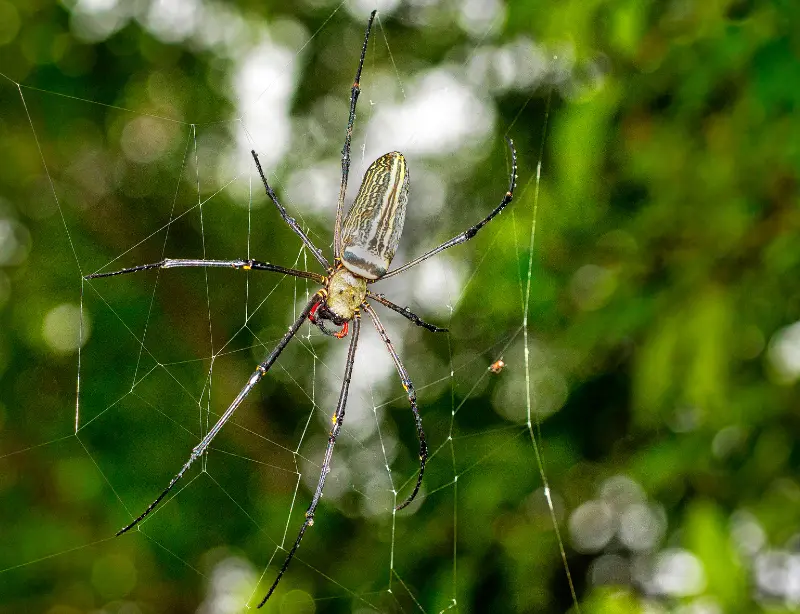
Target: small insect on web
x=364 y=244
x=497 y=366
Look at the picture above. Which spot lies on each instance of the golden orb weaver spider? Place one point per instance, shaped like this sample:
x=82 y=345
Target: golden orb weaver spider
x=364 y=244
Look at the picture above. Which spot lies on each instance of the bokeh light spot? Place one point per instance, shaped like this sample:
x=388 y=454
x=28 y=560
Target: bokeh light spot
x=15 y=242
x=592 y=286
x=231 y=583
x=591 y=526
x=145 y=139
x=61 y=329
x=114 y=576
x=297 y=602
x=77 y=479
x=9 y=23
x=678 y=573
x=641 y=527
x=784 y=353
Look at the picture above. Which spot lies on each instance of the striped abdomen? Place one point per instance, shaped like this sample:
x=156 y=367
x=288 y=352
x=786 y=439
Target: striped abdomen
x=372 y=228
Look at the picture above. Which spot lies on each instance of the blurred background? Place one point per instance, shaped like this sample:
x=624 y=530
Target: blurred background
x=658 y=369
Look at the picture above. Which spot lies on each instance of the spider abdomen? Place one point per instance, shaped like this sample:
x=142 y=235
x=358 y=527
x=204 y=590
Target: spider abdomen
x=372 y=228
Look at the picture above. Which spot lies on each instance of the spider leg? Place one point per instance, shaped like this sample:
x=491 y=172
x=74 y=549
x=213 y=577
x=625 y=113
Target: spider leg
x=260 y=371
x=338 y=418
x=288 y=219
x=473 y=230
x=245 y=265
x=405 y=312
x=412 y=399
x=354 y=92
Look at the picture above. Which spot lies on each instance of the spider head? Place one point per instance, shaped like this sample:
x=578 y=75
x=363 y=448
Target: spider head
x=345 y=292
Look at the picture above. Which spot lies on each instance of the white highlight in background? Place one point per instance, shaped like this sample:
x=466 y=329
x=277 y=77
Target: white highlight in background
x=61 y=329
x=784 y=353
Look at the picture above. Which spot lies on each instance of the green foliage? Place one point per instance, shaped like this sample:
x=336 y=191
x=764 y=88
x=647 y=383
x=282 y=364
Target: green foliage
x=663 y=289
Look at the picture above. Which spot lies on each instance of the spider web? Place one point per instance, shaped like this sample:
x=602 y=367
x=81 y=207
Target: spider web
x=159 y=355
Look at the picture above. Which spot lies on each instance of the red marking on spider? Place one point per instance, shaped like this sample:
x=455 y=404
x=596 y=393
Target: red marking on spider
x=312 y=314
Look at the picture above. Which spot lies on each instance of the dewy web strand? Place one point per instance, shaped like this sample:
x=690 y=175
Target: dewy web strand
x=526 y=309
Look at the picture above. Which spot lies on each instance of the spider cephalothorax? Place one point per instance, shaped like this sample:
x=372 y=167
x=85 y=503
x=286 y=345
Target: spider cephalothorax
x=364 y=244
x=343 y=294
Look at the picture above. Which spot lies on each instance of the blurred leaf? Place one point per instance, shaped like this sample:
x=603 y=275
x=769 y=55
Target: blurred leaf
x=706 y=534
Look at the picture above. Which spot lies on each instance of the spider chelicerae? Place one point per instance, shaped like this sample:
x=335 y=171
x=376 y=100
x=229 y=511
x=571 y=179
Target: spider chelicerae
x=364 y=243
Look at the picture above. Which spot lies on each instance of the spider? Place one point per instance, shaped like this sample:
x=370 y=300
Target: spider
x=364 y=244
x=497 y=366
